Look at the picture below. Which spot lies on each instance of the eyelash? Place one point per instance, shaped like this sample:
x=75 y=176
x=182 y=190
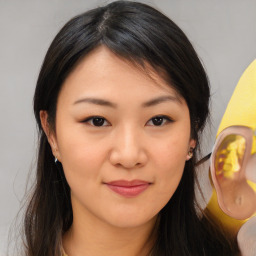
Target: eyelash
x=91 y=118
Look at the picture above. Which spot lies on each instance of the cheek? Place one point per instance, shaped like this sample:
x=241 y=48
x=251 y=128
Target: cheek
x=81 y=159
x=171 y=159
x=82 y=167
x=172 y=153
x=74 y=144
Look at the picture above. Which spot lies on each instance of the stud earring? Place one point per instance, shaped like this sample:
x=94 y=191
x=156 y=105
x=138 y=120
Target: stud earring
x=190 y=153
x=57 y=162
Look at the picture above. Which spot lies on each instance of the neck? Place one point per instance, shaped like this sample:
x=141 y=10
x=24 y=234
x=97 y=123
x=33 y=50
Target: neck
x=93 y=237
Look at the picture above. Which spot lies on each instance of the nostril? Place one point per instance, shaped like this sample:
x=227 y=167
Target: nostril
x=128 y=159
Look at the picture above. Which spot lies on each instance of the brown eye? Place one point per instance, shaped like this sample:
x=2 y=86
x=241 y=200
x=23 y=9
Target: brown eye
x=159 y=120
x=96 y=121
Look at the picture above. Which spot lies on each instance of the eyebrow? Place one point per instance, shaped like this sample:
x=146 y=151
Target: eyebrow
x=150 y=103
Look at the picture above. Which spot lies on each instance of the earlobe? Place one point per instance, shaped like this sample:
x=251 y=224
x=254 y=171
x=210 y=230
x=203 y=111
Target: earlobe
x=190 y=154
x=192 y=145
x=49 y=133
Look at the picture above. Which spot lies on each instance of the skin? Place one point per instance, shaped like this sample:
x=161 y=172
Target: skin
x=128 y=146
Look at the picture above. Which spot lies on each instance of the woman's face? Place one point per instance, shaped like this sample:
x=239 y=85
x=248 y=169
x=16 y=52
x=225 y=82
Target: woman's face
x=122 y=138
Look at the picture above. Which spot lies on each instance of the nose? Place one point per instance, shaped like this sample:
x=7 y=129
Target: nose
x=128 y=149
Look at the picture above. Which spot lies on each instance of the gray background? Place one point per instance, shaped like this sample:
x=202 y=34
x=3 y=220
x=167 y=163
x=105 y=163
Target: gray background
x=223 y=33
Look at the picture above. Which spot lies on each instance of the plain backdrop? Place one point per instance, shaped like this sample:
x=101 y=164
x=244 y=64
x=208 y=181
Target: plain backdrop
x=223 y=33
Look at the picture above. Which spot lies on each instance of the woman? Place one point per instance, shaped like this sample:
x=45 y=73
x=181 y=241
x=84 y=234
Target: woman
x=120 y=101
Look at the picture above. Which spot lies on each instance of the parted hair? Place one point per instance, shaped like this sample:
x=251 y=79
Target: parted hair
x=144 y=36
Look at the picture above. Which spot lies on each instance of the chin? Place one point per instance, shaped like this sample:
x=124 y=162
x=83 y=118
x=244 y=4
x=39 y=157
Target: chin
x=131 y=220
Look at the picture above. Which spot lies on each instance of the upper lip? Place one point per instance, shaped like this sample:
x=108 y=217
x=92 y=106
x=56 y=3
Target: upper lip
x=127 y=183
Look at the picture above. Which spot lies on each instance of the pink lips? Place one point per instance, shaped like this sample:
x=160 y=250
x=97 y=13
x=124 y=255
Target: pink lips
x=128 y=188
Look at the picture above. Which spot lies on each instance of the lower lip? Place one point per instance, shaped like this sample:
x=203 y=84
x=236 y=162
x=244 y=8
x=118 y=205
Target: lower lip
x=132 y=191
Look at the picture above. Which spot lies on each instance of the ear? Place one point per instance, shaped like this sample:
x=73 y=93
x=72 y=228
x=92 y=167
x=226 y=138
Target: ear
x=235 y=194
x=192 y=143
x=50 y=134
x=191 y=147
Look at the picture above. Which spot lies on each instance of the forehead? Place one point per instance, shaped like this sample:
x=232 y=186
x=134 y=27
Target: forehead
x=103 y=72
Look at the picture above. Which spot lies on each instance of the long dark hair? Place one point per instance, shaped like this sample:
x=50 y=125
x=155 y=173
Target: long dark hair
x=141 y=35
